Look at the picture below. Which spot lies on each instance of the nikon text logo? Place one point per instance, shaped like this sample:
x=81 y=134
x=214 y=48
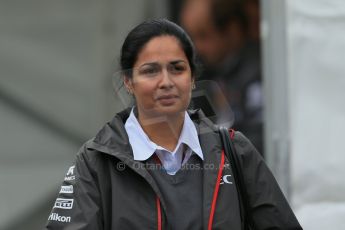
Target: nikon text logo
x=56 y=217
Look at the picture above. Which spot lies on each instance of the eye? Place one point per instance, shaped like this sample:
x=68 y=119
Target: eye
x=149 y=71
x=177 y=68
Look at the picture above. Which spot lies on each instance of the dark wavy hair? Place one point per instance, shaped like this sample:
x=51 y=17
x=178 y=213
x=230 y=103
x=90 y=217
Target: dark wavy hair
x=144 y=32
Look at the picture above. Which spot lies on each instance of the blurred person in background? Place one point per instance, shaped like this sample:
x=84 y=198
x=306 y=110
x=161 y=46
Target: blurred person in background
x=252 y=12
x=226 y=36
x=158 y=165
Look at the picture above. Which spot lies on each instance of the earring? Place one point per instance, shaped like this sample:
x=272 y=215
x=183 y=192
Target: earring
x=193 y=86
x=129 y=91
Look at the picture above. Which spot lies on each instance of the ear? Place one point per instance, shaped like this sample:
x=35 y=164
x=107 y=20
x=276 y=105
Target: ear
x=128 y=84
x=193 y=82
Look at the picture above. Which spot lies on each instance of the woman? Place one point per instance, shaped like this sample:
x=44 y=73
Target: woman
x=157 y=166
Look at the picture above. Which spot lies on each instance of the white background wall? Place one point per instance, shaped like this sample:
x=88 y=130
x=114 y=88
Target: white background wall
x=316 y=55
x=304 y=79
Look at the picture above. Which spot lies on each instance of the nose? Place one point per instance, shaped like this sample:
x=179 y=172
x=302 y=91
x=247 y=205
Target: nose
x=166 y=82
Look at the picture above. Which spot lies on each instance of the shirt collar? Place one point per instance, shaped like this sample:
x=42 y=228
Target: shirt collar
x=143 y=147
x=189 y=136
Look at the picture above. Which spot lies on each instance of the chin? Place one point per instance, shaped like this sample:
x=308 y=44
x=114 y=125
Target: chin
x=162 y=111
x=170 y=110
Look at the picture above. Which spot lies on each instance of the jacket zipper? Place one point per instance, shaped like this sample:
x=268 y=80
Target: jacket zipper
x=215 y=194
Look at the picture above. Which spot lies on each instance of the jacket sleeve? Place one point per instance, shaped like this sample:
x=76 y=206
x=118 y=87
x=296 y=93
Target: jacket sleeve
x=78 y=203
x=269 y=207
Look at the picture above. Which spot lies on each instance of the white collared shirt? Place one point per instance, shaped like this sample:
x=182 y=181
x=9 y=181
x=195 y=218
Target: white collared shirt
x=144 y=148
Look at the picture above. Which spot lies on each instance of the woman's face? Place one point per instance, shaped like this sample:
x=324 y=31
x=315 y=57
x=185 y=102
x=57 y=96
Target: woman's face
x=162 y=79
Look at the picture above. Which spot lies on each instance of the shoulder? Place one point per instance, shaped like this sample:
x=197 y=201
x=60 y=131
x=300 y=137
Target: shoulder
x=240 y=140
x=85 y=152
x=90 y=158
x=245 y=149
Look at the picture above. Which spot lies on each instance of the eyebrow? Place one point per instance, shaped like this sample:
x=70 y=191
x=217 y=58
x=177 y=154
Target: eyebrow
x=149 y=63
x=156 y=63
x=177 y=61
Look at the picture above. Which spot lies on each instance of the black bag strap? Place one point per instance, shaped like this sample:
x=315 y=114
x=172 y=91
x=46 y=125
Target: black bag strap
x=234 y=161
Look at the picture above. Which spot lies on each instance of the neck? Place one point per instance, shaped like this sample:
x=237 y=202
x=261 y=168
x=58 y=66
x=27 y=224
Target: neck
x=163 y=130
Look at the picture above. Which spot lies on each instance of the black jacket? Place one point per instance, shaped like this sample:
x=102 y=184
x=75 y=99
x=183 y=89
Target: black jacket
x=107 y=189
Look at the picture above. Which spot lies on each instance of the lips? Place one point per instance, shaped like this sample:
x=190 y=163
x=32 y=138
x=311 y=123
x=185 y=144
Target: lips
x=167 y=100
x=168 y=96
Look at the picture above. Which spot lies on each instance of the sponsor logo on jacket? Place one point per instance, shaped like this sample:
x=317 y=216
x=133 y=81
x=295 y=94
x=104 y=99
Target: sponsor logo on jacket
x=225 y=179
x=63 y=203
x=70 y=174
x=56 y=217
x=70 y=171
x=66 y=189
